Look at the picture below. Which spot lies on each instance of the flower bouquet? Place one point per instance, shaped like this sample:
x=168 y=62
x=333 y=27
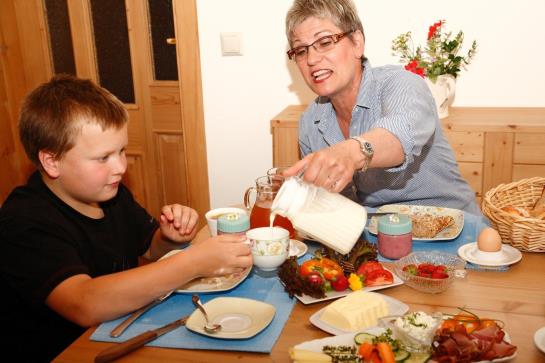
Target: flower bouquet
x=439 y=56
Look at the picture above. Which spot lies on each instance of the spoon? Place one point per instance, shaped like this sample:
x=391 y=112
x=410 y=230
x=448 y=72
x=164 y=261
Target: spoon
x=209 y=328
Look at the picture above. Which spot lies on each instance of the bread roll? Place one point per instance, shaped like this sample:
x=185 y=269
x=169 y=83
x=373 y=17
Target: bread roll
x=538 y=213
x=517 y=211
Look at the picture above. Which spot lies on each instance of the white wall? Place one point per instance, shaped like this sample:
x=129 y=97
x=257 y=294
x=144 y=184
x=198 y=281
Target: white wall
x=242 y=93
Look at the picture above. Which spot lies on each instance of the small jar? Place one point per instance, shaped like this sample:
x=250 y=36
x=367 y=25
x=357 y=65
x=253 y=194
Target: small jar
x=233 y=223
x=395 y=238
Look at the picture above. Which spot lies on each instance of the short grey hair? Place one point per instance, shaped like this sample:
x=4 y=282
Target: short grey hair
x=342 y=13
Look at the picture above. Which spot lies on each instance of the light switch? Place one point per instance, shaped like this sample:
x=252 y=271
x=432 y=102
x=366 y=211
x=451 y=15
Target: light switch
x=231 y=44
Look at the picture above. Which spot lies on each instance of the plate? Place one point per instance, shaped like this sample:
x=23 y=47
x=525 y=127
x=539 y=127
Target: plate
x=330 y=295
x=446 y=234
x=316 y=345
x=469 y=252
x=240 y=318
x=539 y=339
x=297 y=248
x=211 y=284
x=395 y=307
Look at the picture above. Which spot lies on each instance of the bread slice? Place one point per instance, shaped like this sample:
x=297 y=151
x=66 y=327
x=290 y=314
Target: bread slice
x=428 y=226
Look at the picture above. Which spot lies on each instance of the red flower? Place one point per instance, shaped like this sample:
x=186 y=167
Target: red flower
x=412 y=66
x=434 y=28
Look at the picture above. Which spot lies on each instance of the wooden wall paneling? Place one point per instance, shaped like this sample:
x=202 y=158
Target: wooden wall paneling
x=13 y=87
x=189 y=72
x=529 y=148
x=473 y=174
x=134 y=177
x=170 y=159
x=82 y=38
x=33 y=38
x=522 y=171
x=141 y=59
x=8 y=156
x=467 y=145
x=289 y=153
x=166 y=107
x=498 y=159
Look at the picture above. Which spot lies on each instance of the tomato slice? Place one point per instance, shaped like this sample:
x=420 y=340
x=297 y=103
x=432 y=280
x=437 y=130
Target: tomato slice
x=379 y=277
x=366 y=267
x=340 y=283
x=315 y=278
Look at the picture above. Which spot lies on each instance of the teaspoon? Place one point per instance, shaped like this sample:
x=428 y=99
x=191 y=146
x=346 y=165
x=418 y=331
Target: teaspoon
x=209 y=328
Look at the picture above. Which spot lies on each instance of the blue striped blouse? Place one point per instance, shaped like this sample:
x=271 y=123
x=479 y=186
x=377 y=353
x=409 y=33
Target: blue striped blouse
x=400 y=102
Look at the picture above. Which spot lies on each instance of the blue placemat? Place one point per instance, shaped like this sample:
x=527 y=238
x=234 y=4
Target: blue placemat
x=258 y=286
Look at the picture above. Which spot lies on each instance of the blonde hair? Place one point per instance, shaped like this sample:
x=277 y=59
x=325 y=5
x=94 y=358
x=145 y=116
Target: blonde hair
x=341 y=12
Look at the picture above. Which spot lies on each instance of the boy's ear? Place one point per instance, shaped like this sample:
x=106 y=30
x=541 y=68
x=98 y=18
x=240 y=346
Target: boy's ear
x=49 y=163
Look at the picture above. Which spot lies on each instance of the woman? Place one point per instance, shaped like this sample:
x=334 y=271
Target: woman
x=372 y=133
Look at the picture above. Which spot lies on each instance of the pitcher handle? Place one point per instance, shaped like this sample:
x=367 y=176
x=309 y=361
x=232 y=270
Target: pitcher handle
x=247 y=197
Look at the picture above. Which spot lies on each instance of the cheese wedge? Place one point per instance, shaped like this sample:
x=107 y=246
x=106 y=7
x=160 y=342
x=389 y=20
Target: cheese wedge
x=300 y=355
x=358 y=310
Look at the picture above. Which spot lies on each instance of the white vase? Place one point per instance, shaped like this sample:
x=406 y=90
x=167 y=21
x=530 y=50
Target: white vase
x=443 y=92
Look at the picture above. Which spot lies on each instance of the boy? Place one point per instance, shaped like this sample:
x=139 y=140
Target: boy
x=71 y=237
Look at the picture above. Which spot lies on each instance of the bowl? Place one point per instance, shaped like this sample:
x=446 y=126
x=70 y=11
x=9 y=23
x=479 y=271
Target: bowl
x=414 y=330
x=270 y=246
x=454 y=264
x=213 y=215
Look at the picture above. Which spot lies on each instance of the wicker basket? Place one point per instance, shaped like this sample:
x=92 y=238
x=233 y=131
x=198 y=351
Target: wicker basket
x=525 y=234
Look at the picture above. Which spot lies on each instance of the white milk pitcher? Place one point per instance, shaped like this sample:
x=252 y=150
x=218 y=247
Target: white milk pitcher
x=330 y=218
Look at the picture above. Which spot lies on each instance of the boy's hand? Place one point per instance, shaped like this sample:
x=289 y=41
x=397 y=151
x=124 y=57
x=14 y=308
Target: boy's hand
x=178 y=222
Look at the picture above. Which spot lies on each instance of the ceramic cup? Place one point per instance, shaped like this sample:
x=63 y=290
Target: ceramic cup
x=213 y=215
x=270 y=246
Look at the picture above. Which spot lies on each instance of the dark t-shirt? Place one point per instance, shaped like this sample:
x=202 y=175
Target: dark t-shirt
x=43 y=241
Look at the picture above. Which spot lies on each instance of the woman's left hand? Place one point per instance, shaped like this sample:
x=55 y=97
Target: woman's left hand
x=178 y=222
x=331 y=168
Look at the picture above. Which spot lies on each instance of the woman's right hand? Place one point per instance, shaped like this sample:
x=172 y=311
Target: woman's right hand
x=222 y=255
x=331 y=168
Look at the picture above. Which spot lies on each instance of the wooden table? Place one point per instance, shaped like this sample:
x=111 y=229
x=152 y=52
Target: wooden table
x=517 y=297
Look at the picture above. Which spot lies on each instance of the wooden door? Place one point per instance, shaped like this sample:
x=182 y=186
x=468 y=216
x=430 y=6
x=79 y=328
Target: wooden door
x=110 y=43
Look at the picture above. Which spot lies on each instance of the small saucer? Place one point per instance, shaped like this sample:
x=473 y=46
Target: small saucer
x=539 y=339
x=240 y=318
x=506 y=256
x=297 y=248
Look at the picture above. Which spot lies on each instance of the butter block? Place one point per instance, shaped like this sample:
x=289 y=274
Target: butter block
x=357 y=310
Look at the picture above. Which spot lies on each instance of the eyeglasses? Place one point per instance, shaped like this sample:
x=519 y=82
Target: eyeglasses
x=321 y=45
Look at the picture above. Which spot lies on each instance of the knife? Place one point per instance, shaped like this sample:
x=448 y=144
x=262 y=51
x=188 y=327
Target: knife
x=119 y=350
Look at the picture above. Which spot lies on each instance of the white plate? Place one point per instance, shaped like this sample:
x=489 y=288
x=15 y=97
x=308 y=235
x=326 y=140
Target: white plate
x=395 y=307
x=470 y=253
x=539 y=339
x=297 y=248
x=330 y=295
x=211 y=284
x=240 y=318
x=446 y=234
x=316 y=345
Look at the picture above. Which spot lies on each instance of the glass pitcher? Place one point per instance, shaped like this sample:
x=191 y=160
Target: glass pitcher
x=330 y=218
x=266 y=188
